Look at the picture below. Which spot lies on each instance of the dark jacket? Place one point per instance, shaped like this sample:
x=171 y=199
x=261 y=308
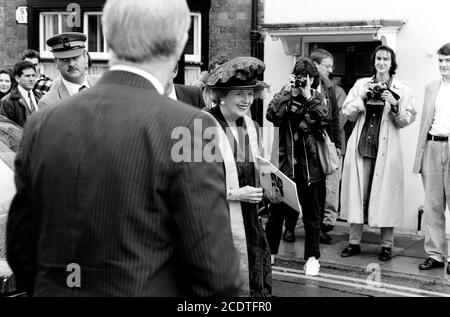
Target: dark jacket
x=333 y=129
x=295 y=144
x=15 y=108
x=98 y=186
x=191 y=95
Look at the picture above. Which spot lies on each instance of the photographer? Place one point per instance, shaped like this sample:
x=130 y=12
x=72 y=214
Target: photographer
x=372 y=179
x=300 y=114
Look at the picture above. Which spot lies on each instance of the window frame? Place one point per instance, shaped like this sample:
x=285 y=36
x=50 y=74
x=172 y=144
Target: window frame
x=44 y=49
x=94 y=55
x=196 y=57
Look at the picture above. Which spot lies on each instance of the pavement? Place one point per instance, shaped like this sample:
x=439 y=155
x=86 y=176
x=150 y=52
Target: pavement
x=407 y=252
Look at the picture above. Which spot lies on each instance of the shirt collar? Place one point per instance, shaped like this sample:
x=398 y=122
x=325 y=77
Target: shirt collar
x=138 y=71
x=173 y=94
x=23 y=91
x=74 y=88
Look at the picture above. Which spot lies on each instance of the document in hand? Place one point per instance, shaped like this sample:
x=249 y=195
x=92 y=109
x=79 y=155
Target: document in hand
x=274 y=182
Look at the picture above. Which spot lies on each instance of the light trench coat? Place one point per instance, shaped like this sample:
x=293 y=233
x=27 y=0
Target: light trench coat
x=387 y=192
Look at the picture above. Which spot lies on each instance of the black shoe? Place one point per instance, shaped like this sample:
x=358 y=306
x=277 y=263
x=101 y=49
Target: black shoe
x=430 y=263
x=448 y=267
x=289 y=236
x=351 y=250
x=325 y=238
x=385 y=254
x=326 y=228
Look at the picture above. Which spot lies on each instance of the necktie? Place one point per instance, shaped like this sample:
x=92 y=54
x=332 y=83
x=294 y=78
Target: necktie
x=82 y=88
x=33 y=107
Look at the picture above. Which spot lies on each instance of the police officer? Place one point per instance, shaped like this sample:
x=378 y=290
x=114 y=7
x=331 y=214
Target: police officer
x=71 y=60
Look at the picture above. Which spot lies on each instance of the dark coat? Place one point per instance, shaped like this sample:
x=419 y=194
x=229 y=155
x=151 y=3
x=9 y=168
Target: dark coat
x=98 y=186
x=295 y=145
x=333 y=128
x=191 y=95
x=15 y=108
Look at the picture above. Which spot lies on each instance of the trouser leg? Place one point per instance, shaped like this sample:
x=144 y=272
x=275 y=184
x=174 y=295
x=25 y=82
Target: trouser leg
x=356 y=230
x=387 y=237
x=312 y=201
x=433 y=170
x=331 y=210
x=274 y=226
x=291 y=219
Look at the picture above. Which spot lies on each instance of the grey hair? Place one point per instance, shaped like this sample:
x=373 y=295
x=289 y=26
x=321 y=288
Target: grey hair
x=139 y=31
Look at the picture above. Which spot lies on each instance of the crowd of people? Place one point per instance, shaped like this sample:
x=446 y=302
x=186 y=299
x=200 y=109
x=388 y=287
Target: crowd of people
x=97 y=184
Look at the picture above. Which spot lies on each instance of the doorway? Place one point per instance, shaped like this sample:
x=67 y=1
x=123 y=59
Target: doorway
x=351 y=62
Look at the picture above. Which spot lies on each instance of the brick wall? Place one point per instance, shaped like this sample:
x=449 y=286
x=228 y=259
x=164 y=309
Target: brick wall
x=230 y=26
x=13 y=36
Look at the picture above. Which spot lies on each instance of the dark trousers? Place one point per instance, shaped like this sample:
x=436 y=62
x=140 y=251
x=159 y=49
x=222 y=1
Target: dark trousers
x=312 y=200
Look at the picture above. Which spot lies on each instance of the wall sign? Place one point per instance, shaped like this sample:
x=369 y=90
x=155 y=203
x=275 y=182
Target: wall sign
x=22 y=15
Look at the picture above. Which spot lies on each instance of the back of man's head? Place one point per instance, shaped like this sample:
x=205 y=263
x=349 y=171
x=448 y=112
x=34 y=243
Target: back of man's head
x=30 y=54
x=444 y=50
x=21 y=66
x=320 y=54
x=140 y=31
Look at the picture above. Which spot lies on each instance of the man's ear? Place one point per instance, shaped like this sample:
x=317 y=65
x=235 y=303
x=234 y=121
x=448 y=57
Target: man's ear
x=17 y=78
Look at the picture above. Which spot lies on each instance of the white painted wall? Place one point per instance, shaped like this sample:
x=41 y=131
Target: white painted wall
x=426 y=29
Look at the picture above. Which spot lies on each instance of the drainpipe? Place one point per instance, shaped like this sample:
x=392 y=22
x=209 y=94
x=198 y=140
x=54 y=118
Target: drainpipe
x=257 y=50
x=254 y=30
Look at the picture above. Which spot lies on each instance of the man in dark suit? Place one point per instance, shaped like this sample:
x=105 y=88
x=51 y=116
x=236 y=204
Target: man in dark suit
x=188 y=94
x=22 y=100
x=103 y=208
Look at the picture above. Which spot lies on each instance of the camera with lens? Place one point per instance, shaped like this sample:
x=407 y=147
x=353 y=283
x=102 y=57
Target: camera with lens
x=374 y=94
x=297 y=81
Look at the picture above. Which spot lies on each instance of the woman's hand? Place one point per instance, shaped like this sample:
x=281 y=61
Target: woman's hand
x=246 y=194
x=388 y=97
x=368 y=87
x=294 y=91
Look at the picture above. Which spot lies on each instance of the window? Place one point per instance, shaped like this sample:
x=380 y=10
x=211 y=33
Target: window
x=96 y=44
x=193 y=47
x=51 y=23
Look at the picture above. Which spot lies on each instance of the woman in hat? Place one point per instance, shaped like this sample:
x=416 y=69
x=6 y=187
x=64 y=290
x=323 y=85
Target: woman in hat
x=234 y=87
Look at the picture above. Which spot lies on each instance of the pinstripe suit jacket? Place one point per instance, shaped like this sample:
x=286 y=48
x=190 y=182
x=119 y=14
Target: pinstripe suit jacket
x=97 y=187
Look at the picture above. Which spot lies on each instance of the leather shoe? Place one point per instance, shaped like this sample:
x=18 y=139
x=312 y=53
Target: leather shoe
x=351 y=250
x=289 y=236
x=325 y=238
x=326 y=228
x=385 y=254
x=430 y=263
